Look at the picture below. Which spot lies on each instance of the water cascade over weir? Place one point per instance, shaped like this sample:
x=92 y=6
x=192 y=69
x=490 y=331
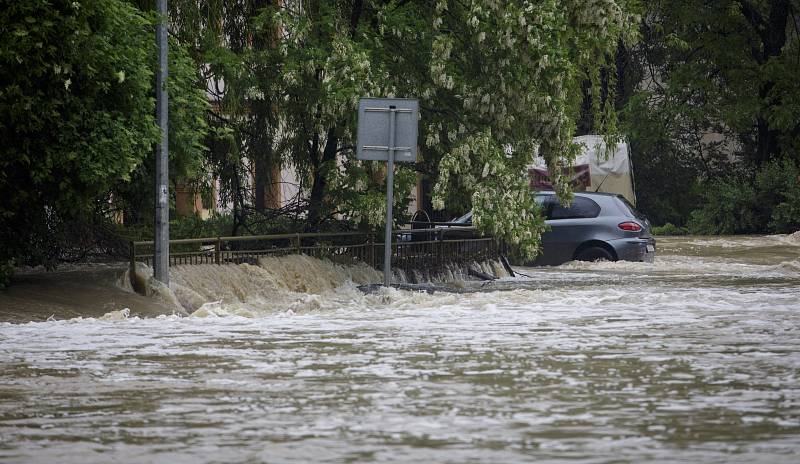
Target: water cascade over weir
x=286 y=283
x=298 y=282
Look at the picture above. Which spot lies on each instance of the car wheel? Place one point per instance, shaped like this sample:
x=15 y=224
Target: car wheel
x=594 y=253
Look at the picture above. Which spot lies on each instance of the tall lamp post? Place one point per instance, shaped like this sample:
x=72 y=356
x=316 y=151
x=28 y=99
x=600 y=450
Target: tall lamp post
x=161 y=258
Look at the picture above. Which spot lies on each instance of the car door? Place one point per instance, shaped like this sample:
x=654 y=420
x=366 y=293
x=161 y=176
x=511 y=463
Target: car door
x=569 y=227
x=550 y=243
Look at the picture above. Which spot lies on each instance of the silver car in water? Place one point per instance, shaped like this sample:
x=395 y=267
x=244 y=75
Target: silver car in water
x=595 y=226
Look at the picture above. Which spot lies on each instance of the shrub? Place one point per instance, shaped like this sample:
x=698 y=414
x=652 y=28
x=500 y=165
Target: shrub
x=769 y=201
x=778 y=185
x=670 y=229
x=193 y=226
x=729 y=208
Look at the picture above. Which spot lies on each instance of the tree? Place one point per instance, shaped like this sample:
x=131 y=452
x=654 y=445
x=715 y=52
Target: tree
x=718 y=94
x=510 y=75
x=725 y=67
x=226 y=44
x=330 y=54
x=488 y=74
x=76 y=117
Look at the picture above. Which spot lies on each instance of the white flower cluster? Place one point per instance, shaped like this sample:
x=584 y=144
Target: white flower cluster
x=496 y=73
x=499 y=193
x=441 y=51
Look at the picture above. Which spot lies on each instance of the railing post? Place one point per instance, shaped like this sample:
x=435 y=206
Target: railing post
x=371 y=250
x=297 y=243
x=440 y=252
x=217 y=250
x=132 y=273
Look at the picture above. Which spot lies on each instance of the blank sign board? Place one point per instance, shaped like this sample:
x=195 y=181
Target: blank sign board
x=374 y=116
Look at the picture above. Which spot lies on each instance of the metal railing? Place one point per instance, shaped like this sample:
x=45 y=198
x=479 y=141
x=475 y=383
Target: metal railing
x=411 y=249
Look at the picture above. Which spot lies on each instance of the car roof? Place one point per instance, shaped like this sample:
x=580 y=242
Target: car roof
x=579 y=193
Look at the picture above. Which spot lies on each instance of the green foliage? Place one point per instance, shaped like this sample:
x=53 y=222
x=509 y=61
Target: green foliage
x=766 y=202
x=193 y=226
x=188 y=127
x=77 y=116
x=666 y=170
x=330 y=54
x=509 y=70
x=501 y=200
x=517 y=70
x=75 y=109
x=778 y=185
x=362 y=199
x=718 y=92
x=75 y=112
x=728 y=208
x=670 y=229
x=508 y=74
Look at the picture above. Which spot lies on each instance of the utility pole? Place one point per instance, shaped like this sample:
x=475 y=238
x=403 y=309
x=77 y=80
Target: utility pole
x=161 y=258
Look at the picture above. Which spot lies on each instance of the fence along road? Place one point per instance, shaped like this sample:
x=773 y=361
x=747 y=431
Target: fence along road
x=417 y=249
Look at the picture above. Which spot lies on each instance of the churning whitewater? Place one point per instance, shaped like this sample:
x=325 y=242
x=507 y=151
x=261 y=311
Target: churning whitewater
x=693 y=358
x=276 y=284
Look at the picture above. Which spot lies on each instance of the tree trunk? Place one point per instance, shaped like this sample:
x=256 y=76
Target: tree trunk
x=772 y=34
x=264 y=186
x=318 y=208
x=264 y=161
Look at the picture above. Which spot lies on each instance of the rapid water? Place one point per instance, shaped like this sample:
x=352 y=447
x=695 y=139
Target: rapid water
x=694 y=358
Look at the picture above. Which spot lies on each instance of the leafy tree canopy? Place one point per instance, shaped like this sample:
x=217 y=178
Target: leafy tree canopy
x=76 y=114
x=489 y=75
x=718 y=95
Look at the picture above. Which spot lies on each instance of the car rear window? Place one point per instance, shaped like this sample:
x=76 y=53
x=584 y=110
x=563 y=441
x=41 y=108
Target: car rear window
x=580 y=208
x=628 y=209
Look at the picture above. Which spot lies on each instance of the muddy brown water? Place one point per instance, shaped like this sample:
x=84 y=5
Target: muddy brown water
x=694 y=358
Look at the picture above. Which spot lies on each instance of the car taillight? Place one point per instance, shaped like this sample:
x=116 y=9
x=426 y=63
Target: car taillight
x=630 y=226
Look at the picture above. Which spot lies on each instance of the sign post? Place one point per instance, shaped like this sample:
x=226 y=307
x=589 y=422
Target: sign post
x=387 y=131
x=161 y=258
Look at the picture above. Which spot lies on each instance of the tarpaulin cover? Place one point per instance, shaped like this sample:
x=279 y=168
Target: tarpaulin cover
x=595 y=170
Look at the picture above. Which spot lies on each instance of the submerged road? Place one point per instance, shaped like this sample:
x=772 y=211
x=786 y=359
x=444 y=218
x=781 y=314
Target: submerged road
x=694 y=358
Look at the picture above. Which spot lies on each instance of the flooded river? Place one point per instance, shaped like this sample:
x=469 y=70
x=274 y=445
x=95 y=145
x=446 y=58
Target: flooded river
x=694 y=358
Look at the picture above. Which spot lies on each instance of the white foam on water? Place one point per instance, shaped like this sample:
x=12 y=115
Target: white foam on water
x=681 y=265
x=691 y=358
x=175 y=297
x=752 y=241
x=118 y=315
x=298 y=284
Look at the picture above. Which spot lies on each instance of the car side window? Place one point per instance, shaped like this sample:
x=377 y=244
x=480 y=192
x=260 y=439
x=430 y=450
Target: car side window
x=546 y=203
x=465 y=219
x=580 y=208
